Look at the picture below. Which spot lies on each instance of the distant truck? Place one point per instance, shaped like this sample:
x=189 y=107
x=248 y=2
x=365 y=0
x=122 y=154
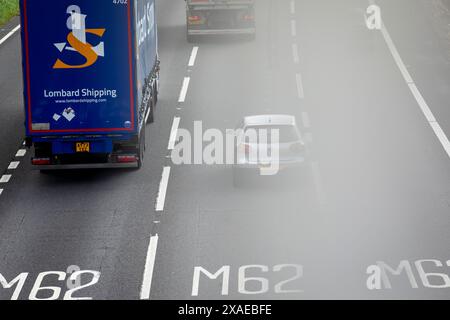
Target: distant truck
x=91 y=73
x=218 y=17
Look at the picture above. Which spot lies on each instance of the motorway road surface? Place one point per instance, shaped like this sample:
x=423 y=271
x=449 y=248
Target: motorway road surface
x=376 y=190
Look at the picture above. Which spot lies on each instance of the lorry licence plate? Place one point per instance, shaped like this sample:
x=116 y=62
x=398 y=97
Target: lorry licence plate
x=82 y=147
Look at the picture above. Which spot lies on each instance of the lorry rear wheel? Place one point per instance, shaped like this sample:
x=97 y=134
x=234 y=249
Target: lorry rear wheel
x=141 y=148
x=191 y=38
x=155 y=94
x=151 y=116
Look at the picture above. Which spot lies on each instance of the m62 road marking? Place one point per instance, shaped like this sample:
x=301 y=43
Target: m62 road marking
x=71 y=279
x=258 y=275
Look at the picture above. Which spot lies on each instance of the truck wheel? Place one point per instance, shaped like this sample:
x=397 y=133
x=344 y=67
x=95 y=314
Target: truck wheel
x=155 y=94
x=141 y=148
x=191 y=38
x=151 y=116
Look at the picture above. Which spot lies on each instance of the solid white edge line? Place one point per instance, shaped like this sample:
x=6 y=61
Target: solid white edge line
x=5 y=178
x=160 y=201
x=295 y=53
x=13 y=165
x=422 y=103
x=21 y=153
x=440 y=134
x=300 y=89
x=9 y=34
x=193 y=57
x=174 y=133
x=149 y=267
x=184 y=89
x=293 y=28
x=405 y=73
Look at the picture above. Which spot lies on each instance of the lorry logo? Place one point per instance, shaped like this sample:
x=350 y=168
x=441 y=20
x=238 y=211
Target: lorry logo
x=77 y=41
x=68 y=113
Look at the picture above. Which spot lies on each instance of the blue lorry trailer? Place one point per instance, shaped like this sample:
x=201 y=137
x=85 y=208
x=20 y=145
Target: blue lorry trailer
x=91 y=73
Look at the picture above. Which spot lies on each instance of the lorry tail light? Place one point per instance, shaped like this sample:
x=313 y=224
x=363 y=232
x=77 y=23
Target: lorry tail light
x=40 y=161
x=127 y=159
x=248 y=17
x=196 y=19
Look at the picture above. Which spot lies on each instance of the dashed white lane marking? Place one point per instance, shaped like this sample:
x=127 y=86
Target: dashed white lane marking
x=10 y=34
x=293 y=28
x=300 y=89
x=193 y=57
x=21 y=153
x=306 y=121
x=295 y=53
x=1 y=191
x=443 y=139
x=13 y=165
x=184 y=89
x=161 y=200
x=292 y=7
x=5 y=178
x=174 y=133
x=149 y=267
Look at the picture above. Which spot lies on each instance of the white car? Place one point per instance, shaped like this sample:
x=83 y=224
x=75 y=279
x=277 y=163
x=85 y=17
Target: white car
x=262 y=156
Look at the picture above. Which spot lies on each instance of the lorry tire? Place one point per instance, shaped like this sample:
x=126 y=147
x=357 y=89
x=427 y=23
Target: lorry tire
x=141 y=148
x=155 y=94
x=151 y=116
x=190 y=38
